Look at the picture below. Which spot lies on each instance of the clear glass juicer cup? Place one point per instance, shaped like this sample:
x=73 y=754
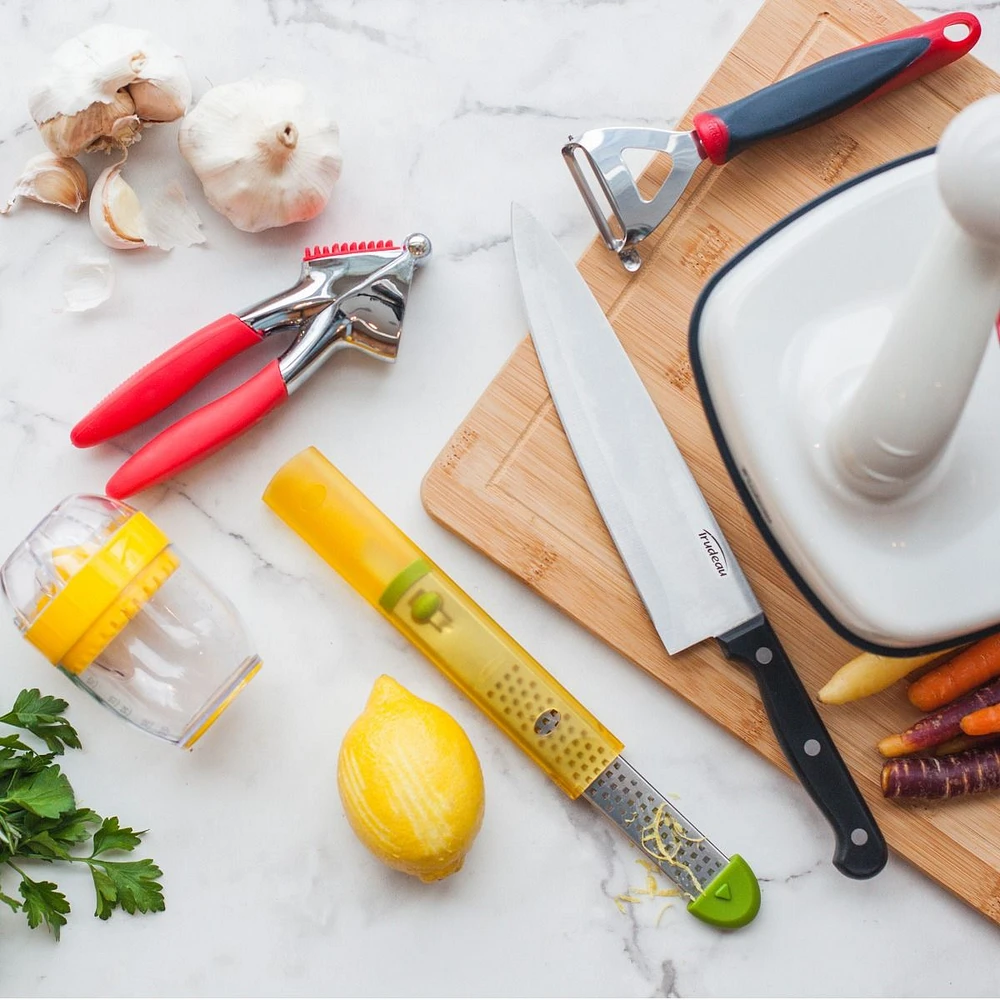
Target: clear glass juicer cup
x=99 y=589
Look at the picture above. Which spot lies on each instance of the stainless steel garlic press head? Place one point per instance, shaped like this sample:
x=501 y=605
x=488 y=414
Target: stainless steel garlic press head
x=812 y=95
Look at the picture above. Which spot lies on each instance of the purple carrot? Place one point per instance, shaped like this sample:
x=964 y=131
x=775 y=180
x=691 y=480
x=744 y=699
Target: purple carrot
x=940 y=725
x=942 y=777
x=962 y=743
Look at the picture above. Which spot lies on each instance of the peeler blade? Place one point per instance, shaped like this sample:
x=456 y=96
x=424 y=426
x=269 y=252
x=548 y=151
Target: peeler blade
x=635 y=216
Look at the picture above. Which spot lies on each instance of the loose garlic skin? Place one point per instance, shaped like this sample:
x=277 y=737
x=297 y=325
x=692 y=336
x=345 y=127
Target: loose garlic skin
x=266 y=154
x=102 y=87
x=51 y=180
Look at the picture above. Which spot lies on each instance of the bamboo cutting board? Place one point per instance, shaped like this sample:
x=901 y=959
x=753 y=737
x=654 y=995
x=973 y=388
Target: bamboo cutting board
x=508 y=482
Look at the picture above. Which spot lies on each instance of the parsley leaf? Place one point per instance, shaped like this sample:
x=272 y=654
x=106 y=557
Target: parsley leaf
x=40 y=820
x=43 y=902
x=131 y=885
x=112 y=838
x=47 y=793
x=42 y=716
x=73 y=827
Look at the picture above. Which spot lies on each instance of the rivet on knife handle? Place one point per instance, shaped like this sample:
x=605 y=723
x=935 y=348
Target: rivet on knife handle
x=558 y=733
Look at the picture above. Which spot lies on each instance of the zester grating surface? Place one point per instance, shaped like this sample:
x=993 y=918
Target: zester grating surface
x=632 y=804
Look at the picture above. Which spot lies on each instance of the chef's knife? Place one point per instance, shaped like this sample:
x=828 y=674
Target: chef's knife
x=512 y=688
x=674 y=550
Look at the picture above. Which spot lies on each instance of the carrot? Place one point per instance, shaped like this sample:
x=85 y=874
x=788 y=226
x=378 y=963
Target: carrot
x=963 y=742
x=868 y=674
x=943 y=725
x=942 y=777
x=982 y=722
x=970 y=668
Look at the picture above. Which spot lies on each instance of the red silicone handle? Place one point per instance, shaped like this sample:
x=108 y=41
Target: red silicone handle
x=164 y=380
x=942 y=51
x=200 y=433
x=833 y=85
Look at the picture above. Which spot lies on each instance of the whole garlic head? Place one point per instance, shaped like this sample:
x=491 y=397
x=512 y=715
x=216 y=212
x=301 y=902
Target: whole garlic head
x=101 y=88
x=264 y=151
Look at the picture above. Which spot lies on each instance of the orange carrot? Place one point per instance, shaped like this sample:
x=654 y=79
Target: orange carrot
x=968 y=670
x=982 y=722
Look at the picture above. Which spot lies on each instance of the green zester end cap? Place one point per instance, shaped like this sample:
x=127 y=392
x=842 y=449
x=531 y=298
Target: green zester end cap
x=731 y=899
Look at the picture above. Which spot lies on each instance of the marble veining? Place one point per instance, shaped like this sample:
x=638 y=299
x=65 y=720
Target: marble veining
x=449 y=111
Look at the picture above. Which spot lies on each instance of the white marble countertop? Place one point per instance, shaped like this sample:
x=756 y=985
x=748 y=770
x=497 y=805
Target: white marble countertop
x=449 y=110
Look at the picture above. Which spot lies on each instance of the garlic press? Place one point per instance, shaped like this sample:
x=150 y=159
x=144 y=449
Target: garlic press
x=806 y=98
x=348 y=295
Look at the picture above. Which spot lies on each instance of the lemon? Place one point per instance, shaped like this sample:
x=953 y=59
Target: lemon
x=410 y=783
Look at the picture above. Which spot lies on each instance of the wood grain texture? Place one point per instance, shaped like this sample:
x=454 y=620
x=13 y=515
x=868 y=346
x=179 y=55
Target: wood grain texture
x=508 y=482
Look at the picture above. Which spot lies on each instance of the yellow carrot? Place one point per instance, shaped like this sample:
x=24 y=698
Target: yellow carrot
x=868 y=674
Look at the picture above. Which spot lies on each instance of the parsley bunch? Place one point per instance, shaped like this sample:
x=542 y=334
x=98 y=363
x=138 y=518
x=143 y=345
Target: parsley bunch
x=40 y=821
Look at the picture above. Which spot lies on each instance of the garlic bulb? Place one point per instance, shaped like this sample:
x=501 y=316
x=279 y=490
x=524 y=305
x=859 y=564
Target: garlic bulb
x=101 y=88
x=264 y=151
x=52 y=180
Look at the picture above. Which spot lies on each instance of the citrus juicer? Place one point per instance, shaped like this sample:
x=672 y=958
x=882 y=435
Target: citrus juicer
x=102 y=592
x=847 y=364
x=812 y=95
x=503 y=680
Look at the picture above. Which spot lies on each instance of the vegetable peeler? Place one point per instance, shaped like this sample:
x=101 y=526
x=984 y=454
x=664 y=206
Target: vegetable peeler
x=808 y=97
x=505 y=682
x=348 y=295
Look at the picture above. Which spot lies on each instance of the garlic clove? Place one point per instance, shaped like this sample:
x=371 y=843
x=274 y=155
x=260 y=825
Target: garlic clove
x=121 y=221
x=160 y=101
x=99 y=126
x=98 y=69
x=265 y=152
x=51 y=180
x=115 y=213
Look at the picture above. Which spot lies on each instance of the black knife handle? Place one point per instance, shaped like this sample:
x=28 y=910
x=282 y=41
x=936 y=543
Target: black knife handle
x=861 y=850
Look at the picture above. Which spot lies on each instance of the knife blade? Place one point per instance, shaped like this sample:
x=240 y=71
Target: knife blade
x=668 y=538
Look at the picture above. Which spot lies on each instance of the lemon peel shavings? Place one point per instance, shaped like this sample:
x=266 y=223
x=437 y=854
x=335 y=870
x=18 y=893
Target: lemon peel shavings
x=651 y=890
x=655 y=846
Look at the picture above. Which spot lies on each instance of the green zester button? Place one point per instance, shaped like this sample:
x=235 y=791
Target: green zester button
x=425 y=606
x=731 y=899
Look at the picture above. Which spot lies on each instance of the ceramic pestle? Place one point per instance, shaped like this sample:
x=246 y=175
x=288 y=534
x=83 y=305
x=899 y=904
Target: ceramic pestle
x=894 y=427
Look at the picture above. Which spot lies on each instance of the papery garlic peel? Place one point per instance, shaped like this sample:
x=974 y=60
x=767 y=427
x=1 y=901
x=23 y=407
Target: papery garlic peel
x=410 y=783
x=264 y=150
x=102 y=87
